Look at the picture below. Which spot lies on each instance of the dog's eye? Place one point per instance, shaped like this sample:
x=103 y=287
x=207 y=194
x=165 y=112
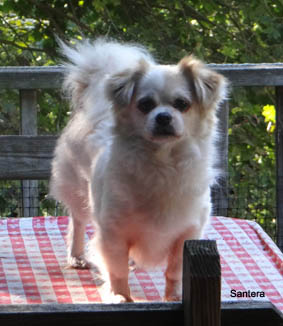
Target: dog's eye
x=181 y=105
x=146 y=104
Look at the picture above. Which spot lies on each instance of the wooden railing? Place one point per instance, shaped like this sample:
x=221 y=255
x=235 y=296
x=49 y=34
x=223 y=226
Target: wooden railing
x=28 y=156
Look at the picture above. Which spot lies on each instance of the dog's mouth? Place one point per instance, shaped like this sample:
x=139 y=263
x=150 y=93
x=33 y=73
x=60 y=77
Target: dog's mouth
x=167 y=131
x=164 y=133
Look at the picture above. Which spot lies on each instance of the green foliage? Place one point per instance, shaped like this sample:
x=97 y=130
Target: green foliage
x=218 y=31
x=9 y=198
x=252 y=158
x=52 y=121
x=9 y=112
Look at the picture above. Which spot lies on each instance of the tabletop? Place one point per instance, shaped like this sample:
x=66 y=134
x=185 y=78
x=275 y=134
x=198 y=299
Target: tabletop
x=33 y=265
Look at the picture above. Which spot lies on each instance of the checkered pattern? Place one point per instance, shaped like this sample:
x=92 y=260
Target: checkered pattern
x=33 y=260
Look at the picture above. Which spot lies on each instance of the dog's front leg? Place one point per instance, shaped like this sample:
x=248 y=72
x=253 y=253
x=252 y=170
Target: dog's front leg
x=115 y=254
x=173 y=273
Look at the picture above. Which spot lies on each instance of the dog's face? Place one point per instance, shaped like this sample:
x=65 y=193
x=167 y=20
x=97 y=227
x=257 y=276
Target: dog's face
x=165 y=103
x=160 y=104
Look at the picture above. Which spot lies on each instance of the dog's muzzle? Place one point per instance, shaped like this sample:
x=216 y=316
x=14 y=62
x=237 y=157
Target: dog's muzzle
x=163 y=126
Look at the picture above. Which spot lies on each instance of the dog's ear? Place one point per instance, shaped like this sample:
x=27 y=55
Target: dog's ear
x=208 y=87
x=120 y=87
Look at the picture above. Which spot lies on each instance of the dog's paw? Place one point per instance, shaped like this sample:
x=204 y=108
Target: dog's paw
x=174 y=297
x=173 y=290
x=108 y=296
x=119 y=298
x=78 y=263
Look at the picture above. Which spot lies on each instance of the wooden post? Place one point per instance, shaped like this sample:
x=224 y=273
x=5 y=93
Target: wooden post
x=220 y=190
x=28 y=104
x=201 y=283
x=279 y=165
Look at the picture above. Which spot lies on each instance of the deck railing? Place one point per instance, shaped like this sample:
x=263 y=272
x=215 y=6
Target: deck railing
x=28 y=156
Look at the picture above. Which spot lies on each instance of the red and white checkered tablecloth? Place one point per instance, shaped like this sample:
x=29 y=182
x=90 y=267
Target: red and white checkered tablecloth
x=33 y=261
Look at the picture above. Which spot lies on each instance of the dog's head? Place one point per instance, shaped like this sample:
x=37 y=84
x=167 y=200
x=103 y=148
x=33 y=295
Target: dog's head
x=166 y=103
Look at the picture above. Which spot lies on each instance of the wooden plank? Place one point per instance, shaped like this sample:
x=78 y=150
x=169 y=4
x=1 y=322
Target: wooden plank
x=26 y=157
x=220 y=190
x=28 y=106
x=31 y=77
x=279 y=165
x=201 y=283
x=232 y=314
x=138 y=314
x=265 y=74
x=248 y=313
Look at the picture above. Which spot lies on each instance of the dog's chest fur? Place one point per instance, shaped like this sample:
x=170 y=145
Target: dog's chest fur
x=155 y=185
x=155 y=197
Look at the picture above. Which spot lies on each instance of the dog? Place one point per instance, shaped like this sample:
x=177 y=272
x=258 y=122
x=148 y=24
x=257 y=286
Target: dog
x=137 y=158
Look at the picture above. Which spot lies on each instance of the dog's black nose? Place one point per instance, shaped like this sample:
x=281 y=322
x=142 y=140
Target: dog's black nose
x=163 y=119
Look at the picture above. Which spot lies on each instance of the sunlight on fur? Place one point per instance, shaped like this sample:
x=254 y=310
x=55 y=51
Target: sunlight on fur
x=137 y=159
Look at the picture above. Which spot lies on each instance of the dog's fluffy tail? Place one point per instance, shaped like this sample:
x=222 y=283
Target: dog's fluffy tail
x=90 y=62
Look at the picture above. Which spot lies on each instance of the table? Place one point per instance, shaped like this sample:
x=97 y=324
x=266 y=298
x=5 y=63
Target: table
x=33 y=265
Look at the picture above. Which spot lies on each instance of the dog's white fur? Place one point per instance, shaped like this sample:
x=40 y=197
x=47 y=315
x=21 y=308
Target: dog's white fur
x=145 y=186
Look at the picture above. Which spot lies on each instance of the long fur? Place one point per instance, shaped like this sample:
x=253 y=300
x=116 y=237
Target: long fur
x=145 y=192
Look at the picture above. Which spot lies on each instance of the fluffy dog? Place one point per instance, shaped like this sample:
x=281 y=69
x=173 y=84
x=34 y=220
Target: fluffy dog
x=137 y=158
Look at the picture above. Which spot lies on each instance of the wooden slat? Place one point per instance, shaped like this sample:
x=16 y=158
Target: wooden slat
x=26 y=157
x=31 y=77
x=248 y=313
x=28 y=105
x=263 y=74
x=279 y=165
x=201 y=283
x=51 y=77
x=138 y=314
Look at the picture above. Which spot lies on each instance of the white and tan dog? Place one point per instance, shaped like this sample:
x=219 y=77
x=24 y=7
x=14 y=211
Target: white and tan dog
x=137 y=158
